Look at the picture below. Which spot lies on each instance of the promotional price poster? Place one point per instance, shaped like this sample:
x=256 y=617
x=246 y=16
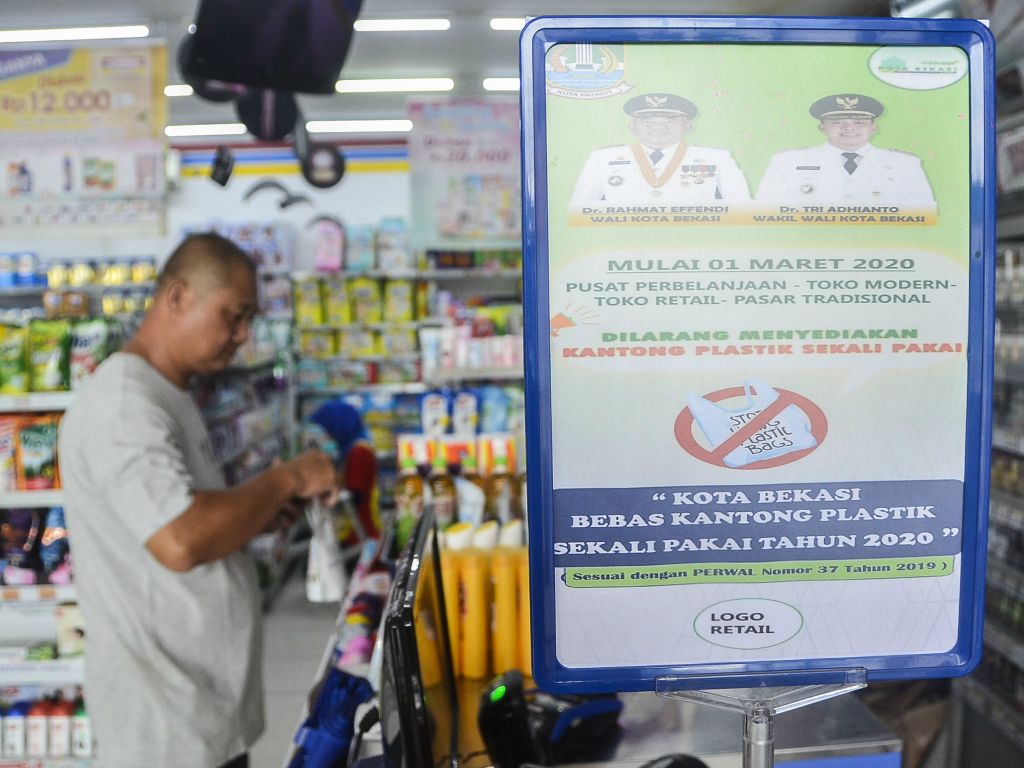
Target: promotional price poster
x=758 y=273
x=464 y=162
x=81 y=138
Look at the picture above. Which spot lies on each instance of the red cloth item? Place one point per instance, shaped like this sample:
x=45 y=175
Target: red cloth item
x=360 y=479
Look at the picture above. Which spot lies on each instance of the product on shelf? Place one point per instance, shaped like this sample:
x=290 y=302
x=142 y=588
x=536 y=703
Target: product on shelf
x=19 y=546
x=398 y=371
x=329 y=249
x=466 y=412
x=49 y=344
x=318 y=344
x=443 y=493
x=399 y=301
x=92 y=342
x=396 y=342
x=14 y=372
x=365 y=297
x=36 y=453
x=54 y=550
x=435 y=413
x=308 y=305
x=357 y=342
x=359 y=250
x=393 y=251
x=336 y=307
x=45 y=726
x=276 y=301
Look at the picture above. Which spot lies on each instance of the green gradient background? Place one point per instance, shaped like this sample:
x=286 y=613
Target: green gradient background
x=753 y=100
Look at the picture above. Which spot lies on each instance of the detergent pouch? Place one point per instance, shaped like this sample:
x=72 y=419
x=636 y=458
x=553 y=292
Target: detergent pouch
x=494 y=409
x=435 y=410
x=49 y=342
x=466 y=412
x=90 y=345
x=789 y=431
x=13 y=360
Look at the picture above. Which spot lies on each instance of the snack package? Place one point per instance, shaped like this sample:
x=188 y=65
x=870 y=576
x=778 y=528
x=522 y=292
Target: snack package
x=398 y=372
x=329 y=250
x=364 y=295
x=308 y=307
x=53 y=546
x=359 y=252
x=349 y=373
x=399 y=301
x=19 y=539
x=312 y=373
x=276 y=298
x=337 y=310
x=8 y=440
x=48 y=344
x=36 y=453
x=90 y=346
x=14 y=379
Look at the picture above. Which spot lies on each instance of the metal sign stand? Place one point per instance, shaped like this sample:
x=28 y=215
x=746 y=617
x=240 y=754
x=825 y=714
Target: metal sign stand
x=760 y=704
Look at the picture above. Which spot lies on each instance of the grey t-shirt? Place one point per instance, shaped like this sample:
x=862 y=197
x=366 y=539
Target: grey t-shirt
x=173 y=660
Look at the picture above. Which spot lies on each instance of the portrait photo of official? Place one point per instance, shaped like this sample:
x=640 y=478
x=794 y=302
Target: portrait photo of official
x=660 y=167
x=847 y=169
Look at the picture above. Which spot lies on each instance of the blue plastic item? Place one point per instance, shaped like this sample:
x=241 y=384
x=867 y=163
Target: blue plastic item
x=324 y=738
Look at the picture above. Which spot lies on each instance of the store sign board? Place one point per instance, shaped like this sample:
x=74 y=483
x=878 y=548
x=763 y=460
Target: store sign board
x=464 y=162
x=81 y=138
x=759 y=339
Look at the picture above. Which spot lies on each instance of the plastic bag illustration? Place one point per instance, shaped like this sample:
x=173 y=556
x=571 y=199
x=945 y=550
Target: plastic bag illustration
x=788 y=431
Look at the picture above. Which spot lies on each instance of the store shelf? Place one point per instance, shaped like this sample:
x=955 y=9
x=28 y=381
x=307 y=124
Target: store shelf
x=420 y=274
x=1006 y=509
x=1004 y=643
x=394 y=357
x=1010 y=440
x=1006 y=578
x=409 y=388
x=52 y=498
x=256 y=364
x=39 y=593
x=36 y=401
x=39 y=290
x=48 y=762
x=428 y=322
x=225 y=412
x=1008 y=371
x=442 y=375
x=989 y=704
x=239 y=452
x=57 y=672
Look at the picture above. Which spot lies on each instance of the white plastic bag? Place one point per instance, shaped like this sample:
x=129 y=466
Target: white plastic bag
x=326 y=580
x=789 y=431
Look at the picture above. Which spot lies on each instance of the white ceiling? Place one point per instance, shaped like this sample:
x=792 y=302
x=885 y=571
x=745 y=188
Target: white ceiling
x=468 y=52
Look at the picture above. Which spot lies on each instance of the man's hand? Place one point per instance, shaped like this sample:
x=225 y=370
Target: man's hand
x=315 y=476
x=287 y=517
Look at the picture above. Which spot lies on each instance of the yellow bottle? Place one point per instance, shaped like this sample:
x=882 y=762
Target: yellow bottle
x=505 y=621
x=471 y=472
x=446 y=498
x=408 y=500
x=474 y=577
x=525 y=640
x=452 y=605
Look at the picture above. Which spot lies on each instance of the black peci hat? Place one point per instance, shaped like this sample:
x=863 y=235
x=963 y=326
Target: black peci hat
x=667 y=104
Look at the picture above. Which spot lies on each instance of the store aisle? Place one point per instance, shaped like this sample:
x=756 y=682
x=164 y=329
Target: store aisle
x=296 y=634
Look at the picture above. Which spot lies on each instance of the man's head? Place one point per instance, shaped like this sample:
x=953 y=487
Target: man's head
x=660 y=119
x=847 y=119
x=205 y=300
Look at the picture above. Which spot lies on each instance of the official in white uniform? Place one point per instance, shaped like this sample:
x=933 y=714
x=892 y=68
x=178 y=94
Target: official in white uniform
x=847 y=170
x=661 y=169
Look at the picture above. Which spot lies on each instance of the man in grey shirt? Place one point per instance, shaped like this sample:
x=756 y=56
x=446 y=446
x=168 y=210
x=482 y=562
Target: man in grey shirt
x=165 y=583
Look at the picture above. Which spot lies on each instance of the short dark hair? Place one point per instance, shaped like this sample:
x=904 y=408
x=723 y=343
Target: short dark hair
x=206 y=255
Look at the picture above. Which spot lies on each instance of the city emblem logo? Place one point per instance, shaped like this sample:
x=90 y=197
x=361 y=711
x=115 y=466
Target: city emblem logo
x=586 y=70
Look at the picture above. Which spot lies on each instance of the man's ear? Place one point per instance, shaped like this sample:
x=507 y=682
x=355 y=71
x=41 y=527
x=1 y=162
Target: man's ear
x=687 y=128
x=180 y=296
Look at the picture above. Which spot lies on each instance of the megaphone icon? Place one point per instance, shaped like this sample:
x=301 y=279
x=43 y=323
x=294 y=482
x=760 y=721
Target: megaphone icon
x=560 y=322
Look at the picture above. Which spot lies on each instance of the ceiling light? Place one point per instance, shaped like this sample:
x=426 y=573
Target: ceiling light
x=178 y=90
x=210 y=129
x=402 y=25
x=358 y=126
x=501 y=83
x=395 y=84
x=508 y=25
x=72 y=33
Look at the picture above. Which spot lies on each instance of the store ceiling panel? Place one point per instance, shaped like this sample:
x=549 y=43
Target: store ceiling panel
x=467 y=53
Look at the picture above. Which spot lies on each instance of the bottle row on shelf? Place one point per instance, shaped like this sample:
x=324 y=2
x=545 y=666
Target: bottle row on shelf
x=51 y=724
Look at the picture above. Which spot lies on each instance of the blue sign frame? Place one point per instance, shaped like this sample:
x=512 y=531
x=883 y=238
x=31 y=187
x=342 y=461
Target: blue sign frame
x=977 y=42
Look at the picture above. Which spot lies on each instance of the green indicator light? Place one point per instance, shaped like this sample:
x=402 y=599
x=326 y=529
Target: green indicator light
x=497 y=693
